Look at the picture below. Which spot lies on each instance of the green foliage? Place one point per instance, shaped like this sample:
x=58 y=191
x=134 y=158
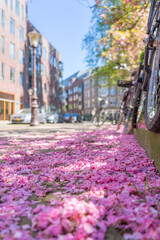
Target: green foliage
x=115 y=38
x=110 y=73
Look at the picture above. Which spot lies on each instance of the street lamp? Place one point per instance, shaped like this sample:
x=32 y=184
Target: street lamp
x=34 y=38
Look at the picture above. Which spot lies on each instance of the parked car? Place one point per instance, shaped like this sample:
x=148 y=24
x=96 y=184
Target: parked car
x=76 y=117
x=68 y=117
x=24 y=116
x=60 y=118
x=52 y=117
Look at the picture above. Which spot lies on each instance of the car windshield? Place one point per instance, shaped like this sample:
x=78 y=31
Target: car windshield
x=25 y=110
x=67 y=114
x=74 y=114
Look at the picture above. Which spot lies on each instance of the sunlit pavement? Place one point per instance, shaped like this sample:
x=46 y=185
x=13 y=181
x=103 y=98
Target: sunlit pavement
x=7 y=129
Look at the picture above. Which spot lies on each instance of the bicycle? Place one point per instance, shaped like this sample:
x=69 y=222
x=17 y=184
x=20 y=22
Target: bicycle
x=139 y=96
x=127 y=105
x=151 y=83
x=101 y=115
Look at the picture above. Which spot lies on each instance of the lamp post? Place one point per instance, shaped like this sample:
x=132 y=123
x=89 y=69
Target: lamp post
x=34 y=38
x=30 y=94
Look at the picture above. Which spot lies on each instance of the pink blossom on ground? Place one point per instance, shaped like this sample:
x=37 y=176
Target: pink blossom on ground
x=95 y=180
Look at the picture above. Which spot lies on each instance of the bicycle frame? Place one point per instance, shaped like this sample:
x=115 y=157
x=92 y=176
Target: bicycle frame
x=150 y=18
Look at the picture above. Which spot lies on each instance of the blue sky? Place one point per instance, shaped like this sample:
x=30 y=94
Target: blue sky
x=64 y=23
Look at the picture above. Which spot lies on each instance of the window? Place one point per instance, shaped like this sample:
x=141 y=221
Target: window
x=45 y=53
x=93 y=82
x=2 y=44
x=39 y=50
x=12 y=75
x=12 y=50
x=42 y=69
x=112 y=91
x=17 y=7
x=87 y=83
x=2 y=18
x=112 y=102
x=93 y=104
x=45 y=88
x=21 y=78
x=51 y=59
x=93 y=92
x=21 y=56
x=6 y=1
x=107 y=91
x=21 y=34
x=22 y=10
x=39 y=88
x=69 y=91
x=54 y=62
x=11 y=4
x=120 y=91
x=89 y=104
x=38 y=69
x=12 y=26
x=51 y=93
x=2 y=71
x=102 y=92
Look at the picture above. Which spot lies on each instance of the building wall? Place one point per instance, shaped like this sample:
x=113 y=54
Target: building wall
x=48 y=59
x=95 y=92
x=74 y=94
x=12 y=91
x=90 y=96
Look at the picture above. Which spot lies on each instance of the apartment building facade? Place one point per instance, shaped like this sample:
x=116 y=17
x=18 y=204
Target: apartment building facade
x=48 y=73
x=92 y=93
x=73 y=93
x=13 y=50
x=16 y=63
x=90 y=96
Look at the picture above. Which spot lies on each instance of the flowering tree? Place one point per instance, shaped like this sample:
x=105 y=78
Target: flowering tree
x=121 y=26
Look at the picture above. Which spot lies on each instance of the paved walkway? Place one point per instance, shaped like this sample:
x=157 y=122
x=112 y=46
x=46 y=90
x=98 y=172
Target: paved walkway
x=7 y=129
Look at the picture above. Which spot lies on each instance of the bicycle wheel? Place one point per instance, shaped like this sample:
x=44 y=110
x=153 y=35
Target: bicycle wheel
x=141 y=106
x=136 y=108
x=128 y=122
x=99 y=118
x=152 y=106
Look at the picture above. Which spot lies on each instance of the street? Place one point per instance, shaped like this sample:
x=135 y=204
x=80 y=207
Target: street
x=76 y=181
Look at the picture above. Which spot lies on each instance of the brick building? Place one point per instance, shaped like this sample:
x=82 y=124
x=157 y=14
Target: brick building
x=73 y=93
x=112 y=96
x=13 y=51
x=16 y=63
x=90 y=96
x=48 y=66
x=92 y=93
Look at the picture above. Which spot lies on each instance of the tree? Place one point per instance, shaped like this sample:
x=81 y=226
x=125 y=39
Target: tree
x=117 y=36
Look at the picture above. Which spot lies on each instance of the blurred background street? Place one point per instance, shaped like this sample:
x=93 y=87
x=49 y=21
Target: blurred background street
x=46 y=129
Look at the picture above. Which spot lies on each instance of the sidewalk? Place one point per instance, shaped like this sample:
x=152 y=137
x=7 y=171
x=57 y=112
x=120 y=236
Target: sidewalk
x=4 y=122
x=95 y=184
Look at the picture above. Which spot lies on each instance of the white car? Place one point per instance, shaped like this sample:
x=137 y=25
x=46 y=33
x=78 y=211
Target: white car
x=24 y=116
x=52 y=117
